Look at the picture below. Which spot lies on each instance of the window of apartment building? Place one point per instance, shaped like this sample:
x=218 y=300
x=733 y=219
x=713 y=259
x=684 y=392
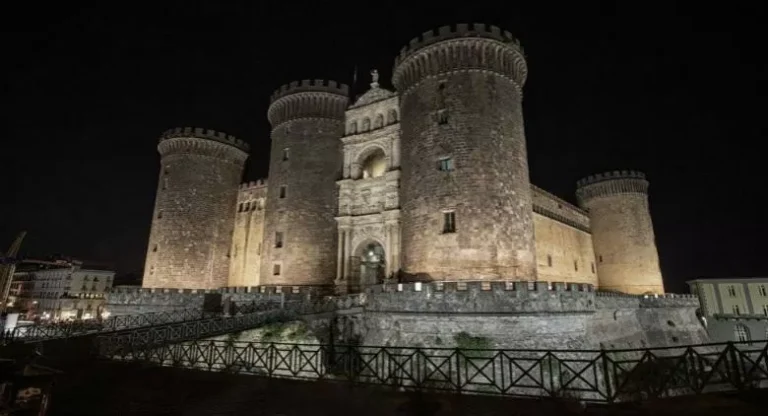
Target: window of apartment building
x=283 y=190
x=276 y=269
x=445 y=164
x=732 y=291
x=449 y=222
x=286 y=154
x=741 y=332
x=736 y=310
x=762 y=290
x=278 y=239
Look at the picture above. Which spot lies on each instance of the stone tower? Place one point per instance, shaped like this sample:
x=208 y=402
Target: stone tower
x=300 y=234
x=191 y=235
x=465 y=192
x=622 y=231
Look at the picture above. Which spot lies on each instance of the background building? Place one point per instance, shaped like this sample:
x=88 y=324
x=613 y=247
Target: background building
x=59 y=289
x=734 y=309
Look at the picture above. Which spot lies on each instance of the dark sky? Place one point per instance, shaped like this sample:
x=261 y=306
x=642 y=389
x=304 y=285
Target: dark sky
x=677 y=91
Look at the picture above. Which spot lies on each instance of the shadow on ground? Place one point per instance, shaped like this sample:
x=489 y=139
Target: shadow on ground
x=108 y=388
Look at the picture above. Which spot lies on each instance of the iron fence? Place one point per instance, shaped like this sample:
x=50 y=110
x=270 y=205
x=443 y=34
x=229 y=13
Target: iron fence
x=586 y=375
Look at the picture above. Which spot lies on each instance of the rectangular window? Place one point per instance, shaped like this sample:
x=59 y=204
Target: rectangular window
x=765 y=310
x=549 y=261
x=276 y=270
x=445 y=164
x=592 y=265
x=286 y=153
x=576 y=265
x=442 y=116
x=449 y=222
x=736 y=310
x=283 y=190
x=732 y=291
x=600 y=259
x=278 y=239
x=763 y=291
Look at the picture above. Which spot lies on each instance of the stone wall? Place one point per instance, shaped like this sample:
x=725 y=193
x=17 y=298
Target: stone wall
x=248 y=236
x=563 y=253
x=526 y=315
x=462 y=100
x=193 y=219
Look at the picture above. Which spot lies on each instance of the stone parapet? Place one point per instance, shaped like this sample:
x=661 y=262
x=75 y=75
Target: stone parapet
x=504 y=297
x=463 y=47
x=611 y=300
x=610 y=183
x=318 y=99
x=551 y=206
x=201 y=133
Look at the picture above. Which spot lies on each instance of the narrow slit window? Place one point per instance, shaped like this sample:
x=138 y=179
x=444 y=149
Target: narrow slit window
x=286 y=154
x=278 y=239
x=449 y=222
x=576 y=265
x=283 y=191
x=549 y=261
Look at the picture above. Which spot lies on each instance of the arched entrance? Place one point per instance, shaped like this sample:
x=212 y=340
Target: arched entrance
x=372 y=264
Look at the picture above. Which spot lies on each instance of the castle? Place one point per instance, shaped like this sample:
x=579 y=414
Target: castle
x=429 y=183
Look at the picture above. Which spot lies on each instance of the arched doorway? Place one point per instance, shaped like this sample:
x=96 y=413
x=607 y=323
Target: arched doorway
x=372 y=266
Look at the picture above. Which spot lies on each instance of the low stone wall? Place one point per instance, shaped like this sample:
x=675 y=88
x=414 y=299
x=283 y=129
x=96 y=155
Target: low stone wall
x=134 y=300
x=531 y=315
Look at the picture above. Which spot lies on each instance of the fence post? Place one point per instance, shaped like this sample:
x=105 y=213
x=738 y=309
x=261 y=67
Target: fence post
x=458 y=371
x=606 y=375
x=733 y=365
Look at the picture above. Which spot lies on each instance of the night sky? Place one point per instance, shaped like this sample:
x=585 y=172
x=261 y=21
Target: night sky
x=675 y=91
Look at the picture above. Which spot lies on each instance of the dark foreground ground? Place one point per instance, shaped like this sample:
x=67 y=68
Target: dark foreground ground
x=132 y=389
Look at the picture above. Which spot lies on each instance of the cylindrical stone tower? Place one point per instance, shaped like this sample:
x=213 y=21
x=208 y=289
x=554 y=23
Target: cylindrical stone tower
x=191 y=235
x=622 y=232
x=300 y=233
x=465 y=192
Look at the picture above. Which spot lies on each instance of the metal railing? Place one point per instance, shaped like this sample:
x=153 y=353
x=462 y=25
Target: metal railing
x=43 y=332
x=247 y=317
x=586 y=375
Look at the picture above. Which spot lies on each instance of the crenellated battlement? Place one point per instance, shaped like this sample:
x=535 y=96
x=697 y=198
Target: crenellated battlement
x=310 y=85
x=463 y=47
x=482 y=286
x=308 y=99
x=550 y=206
x=611 y=183
x=477 y=30
x=612 y=175
x=201 y=133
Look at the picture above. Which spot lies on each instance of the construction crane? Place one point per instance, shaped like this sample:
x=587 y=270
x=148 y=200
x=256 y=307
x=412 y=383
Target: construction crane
x=7 y=267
